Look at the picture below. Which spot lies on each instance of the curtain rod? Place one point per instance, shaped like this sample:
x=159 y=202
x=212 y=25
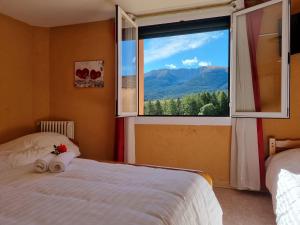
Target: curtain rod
x=231 y=2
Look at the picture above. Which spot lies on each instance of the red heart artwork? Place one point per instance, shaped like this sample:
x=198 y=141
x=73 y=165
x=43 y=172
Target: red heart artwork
x=82 y=74
x=95 y=74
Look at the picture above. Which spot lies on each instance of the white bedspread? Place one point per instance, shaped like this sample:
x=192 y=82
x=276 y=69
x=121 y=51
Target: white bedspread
x=283 y=181
x=90 y=193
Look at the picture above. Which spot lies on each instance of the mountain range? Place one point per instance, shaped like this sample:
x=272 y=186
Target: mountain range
x=174 y=83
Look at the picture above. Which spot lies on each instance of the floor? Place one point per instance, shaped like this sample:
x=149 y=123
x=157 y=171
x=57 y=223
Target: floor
x=245 y=208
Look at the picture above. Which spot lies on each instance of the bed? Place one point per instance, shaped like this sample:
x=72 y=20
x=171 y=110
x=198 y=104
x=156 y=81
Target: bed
x=92 y=192
x=283 y=180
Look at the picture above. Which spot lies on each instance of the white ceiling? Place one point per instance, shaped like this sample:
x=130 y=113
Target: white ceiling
x=51 y=13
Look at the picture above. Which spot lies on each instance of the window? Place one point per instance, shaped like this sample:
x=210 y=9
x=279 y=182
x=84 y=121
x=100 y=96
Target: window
x=260 y=65
x=127 y=79
x=184 y=68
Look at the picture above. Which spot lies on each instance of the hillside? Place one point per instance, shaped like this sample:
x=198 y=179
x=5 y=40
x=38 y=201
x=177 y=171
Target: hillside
x=167 y=83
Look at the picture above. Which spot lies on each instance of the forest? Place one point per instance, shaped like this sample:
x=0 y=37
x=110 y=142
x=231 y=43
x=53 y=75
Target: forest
x=200 y=104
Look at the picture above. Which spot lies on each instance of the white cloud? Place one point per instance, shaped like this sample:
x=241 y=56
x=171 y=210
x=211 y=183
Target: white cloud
x=157 y=49
x=203 y=63
x=190 y=62
x=171 y=66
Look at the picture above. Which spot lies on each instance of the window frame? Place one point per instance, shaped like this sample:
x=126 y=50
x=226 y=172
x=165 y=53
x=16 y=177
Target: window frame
x=180 y=120
x=120 y=13
x=194 y=119
x=285 y=64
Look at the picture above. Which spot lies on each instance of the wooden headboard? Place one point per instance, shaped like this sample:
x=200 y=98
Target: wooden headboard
x=276 y=145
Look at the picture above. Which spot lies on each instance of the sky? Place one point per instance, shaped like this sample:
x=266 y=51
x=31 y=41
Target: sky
x=187 y=51
x=128 y=57
x=181 y=51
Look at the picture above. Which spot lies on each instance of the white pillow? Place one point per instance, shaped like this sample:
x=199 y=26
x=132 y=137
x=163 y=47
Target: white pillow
x=286 y=160
x=27 y=149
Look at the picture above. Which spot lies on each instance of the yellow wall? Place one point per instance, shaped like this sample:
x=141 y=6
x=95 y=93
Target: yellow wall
x=91 y=108
x=35 y=59
x=287 y=128
x=41 y=74
x=194 y=147
x=295 y=6
x=267 y=60
x=24 y=86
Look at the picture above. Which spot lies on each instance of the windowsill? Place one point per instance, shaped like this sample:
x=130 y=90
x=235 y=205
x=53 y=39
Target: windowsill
x=196 y=121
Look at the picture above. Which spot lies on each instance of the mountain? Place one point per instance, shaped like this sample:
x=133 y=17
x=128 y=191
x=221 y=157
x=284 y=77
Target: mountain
x=174 y=83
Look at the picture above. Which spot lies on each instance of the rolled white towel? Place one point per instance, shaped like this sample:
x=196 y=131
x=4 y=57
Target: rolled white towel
x=60 y=162
x=42 y=165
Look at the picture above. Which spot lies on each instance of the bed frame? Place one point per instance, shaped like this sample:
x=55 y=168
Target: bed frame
x=62 y=127
x=279 y=145
x=206 y=176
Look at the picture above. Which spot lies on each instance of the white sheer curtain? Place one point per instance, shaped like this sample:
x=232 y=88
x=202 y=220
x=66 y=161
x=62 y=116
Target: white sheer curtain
x=129 y=145
x=244 y=171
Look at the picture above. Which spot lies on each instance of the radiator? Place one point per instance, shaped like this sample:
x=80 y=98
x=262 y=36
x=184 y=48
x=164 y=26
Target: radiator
x=61 y=127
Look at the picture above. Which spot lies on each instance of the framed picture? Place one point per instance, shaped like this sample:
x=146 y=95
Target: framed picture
x=89 y=74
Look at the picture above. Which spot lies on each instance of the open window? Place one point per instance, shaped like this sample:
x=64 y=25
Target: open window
x=184 y=68
x=258 y=72
x=260 y=61
x=127 y=66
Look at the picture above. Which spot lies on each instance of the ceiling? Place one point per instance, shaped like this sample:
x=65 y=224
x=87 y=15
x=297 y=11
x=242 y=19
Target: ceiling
x=51 y=13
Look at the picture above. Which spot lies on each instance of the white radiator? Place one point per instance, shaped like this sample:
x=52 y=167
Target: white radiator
x=61 y=127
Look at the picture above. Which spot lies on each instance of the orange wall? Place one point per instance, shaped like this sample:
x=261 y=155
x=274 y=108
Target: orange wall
x=287 y=128
x=195 y=147
x=268 y=63
x=91 y=108
x=295 y=6
x=35 y=59
x=24 y=86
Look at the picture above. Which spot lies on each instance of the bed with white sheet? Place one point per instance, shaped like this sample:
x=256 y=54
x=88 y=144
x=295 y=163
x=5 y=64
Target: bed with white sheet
x=90 y=192
x=283 y=182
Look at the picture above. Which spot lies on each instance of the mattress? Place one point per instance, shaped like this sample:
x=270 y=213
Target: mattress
x=91 y=192
x=283 y=182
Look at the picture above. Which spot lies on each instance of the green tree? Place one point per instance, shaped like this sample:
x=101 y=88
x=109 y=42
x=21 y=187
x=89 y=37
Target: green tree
x=205 y=98
x=208 y=110
x=146 y=108
x=158 y=108
x=165 y=107
x=194 y=110
x=198 y=100
x=179 y=106
x=223 y=104
x=214 y=99
x=190 y=106
x=151 y=108
x=173 y=107
x=205 y=103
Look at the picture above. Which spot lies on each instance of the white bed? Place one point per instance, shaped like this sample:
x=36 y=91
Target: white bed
x=283 y=182
x=90 y=192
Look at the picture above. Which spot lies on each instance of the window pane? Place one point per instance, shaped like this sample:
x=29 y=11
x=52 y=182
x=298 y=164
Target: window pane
x=186 y=75
x=129 y=67
x=258 y=65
